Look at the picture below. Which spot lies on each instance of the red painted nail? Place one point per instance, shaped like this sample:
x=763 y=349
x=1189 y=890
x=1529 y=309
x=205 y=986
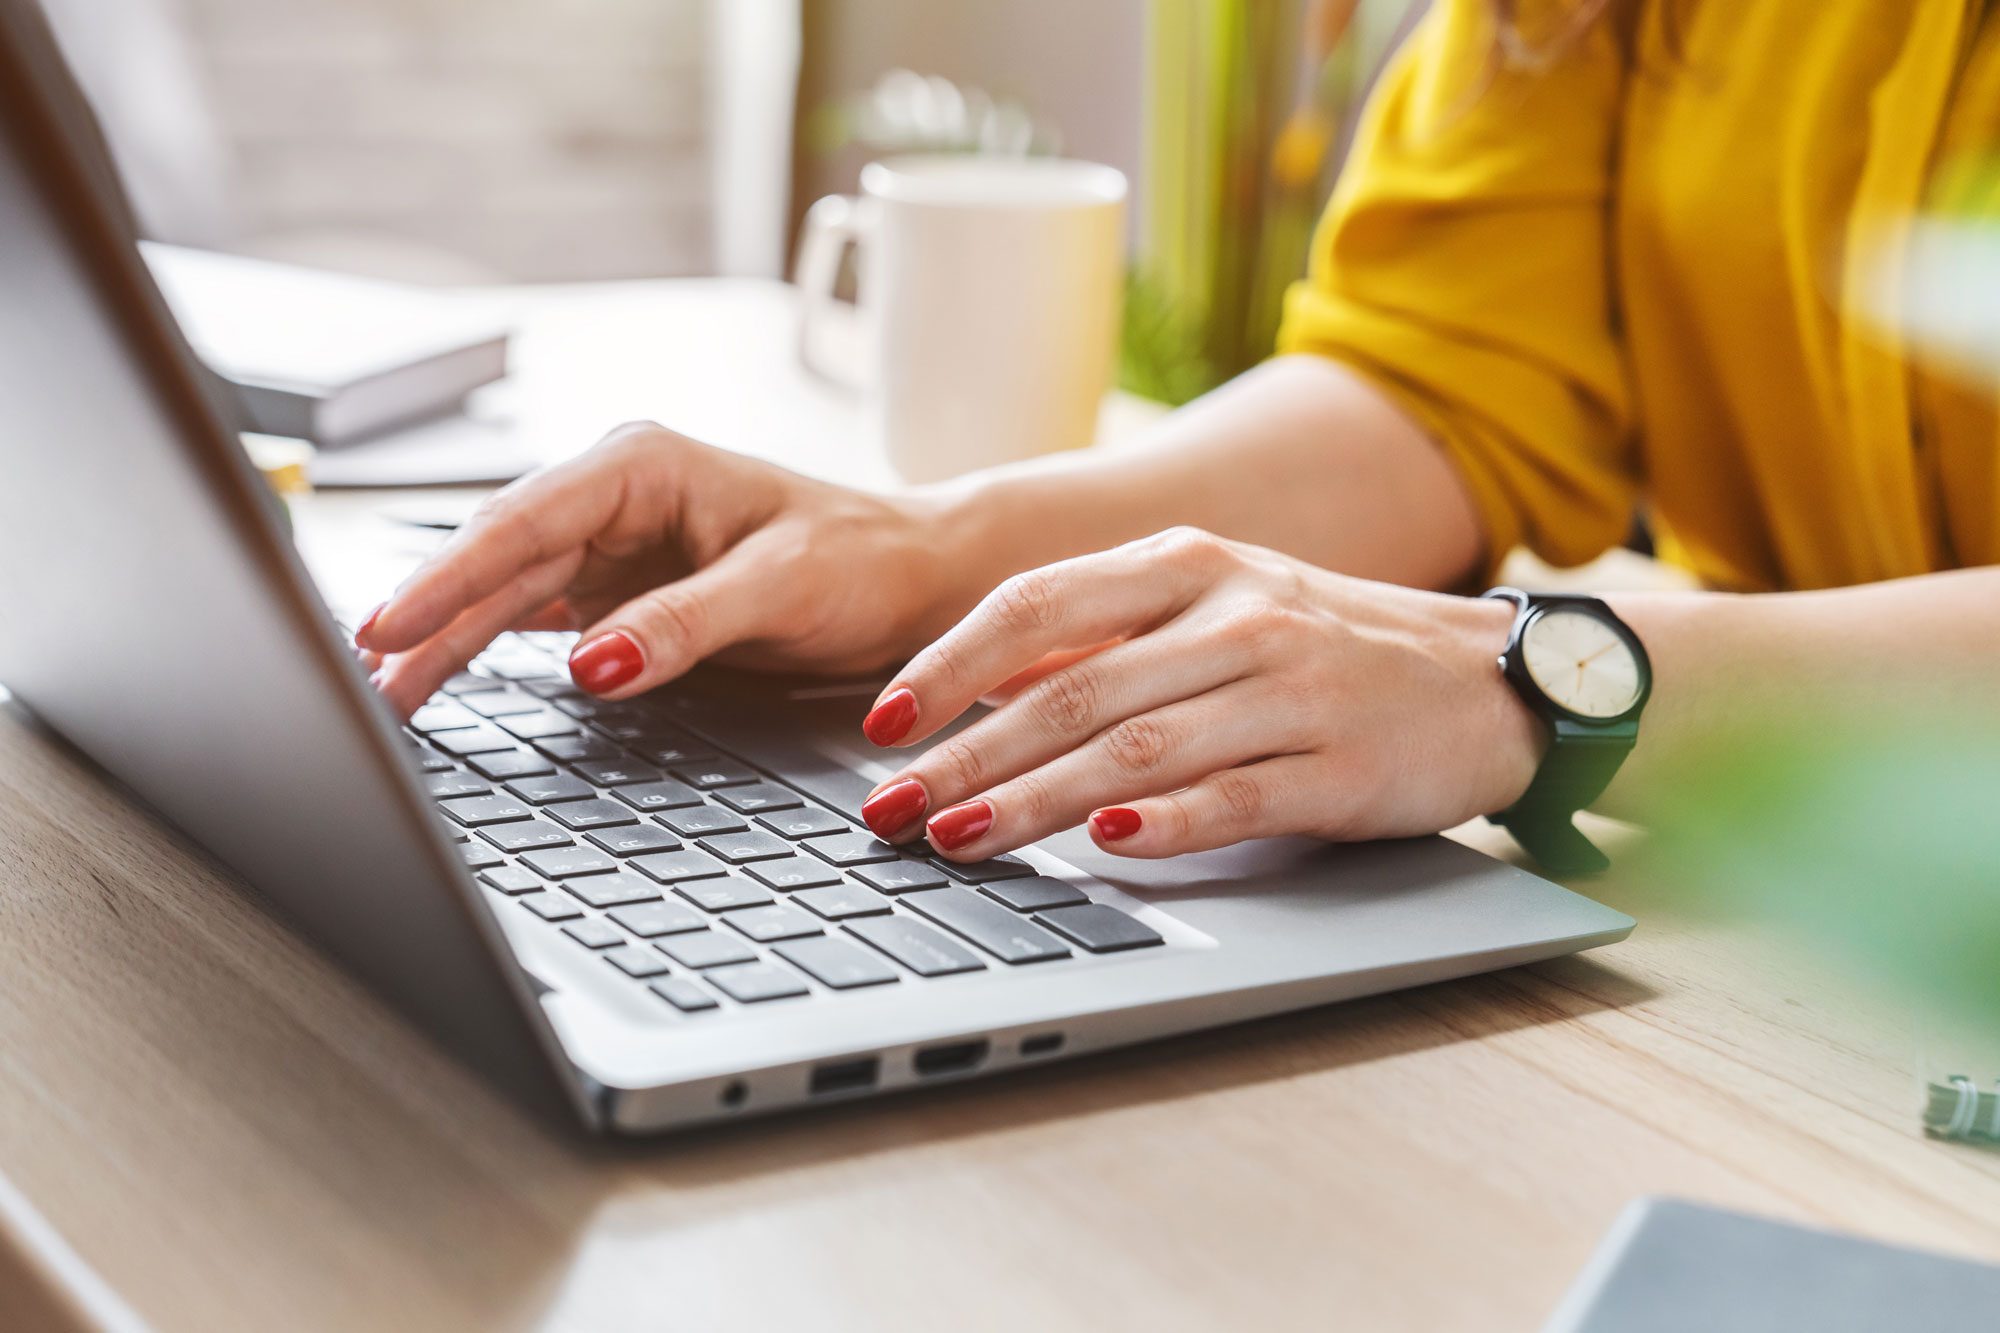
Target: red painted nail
x=891 y=720
x=959 y=825
x=368 y=624
x=1115 y=823
x=606 y=662
x=890 y=810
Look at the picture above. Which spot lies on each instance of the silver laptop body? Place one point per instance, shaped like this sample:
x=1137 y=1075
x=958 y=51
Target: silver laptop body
x=154 y=615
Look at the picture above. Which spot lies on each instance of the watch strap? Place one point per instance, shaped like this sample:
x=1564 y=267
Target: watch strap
x=1578 y=767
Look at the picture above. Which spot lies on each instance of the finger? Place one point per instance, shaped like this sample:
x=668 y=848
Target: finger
x=408 y=679
x=1145 y=755
x=1072 y=604
x=556 y=617
x=1285 y=795
x=658 y=635
x=1049 y=664
x=1057 y=715
x=521 y=526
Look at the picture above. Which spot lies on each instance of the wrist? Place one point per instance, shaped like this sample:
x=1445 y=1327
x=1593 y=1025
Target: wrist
x=1512 y=741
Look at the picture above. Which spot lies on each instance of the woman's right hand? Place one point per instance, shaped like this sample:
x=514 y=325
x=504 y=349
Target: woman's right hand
x=664 y=552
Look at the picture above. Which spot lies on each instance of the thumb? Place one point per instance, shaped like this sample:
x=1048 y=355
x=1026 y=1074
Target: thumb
x=660 y=634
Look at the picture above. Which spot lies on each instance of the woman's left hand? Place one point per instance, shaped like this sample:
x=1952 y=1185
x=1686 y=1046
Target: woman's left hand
x=1244 y=694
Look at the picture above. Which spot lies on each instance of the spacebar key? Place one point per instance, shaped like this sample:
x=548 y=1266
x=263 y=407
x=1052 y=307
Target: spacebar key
x=987 y=924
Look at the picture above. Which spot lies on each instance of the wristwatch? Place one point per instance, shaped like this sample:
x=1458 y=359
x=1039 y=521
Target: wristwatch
x=1584 y=672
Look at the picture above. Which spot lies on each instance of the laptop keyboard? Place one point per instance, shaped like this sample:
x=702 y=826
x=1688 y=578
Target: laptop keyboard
x=699 y=876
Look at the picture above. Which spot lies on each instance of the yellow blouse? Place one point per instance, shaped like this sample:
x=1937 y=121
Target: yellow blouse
x=1624 y=283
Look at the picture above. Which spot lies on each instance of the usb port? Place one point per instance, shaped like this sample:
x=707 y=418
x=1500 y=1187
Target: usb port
x=955 y=1058
x=1042 y=1043
x=844 y=1076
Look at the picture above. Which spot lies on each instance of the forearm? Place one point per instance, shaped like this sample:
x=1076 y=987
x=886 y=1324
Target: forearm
x=1301 y=455
x=1722 y=662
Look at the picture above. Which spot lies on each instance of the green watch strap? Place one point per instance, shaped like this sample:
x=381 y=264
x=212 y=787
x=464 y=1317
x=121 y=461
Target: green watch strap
x=1579 y=766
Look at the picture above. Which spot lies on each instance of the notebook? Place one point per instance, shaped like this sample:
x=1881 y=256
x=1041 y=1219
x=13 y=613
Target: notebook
x=325 y=356
x=1669 y=1266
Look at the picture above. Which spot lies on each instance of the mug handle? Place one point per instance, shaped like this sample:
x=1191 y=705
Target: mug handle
x=833 y=225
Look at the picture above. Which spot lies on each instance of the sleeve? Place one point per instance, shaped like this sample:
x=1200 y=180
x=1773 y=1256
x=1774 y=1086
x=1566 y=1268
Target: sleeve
x=1463 y=265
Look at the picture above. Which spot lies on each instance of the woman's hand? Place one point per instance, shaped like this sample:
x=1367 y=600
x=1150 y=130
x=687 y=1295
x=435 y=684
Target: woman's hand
x=1244 y=694
x=664 y=552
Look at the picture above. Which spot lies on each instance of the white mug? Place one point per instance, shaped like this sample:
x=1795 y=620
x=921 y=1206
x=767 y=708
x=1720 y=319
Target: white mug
x=989 y=292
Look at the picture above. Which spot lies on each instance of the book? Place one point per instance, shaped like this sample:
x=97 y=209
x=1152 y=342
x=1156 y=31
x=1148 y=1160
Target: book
x=324 y=356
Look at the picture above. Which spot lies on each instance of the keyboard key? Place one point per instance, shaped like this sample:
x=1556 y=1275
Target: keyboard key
x=443 y=717
x=478 y=856
x=902 y=877
x=840 y=964
x=988 y=925
x=702 y=819
x=780 y=921
x=576 y=749
x=580 y=706
x=925 y=951
x=505 y=764
x=554 y=787
x=793 y=872
x=706 y=948
x=1100 y=929
x=674 y=753
x=638 y=840
x=683 y=995
x=851 y=849
x=714 y=773
x=753 y=845
x=666 y=917
x=444 y=786
x=551 y=906
x=638 y=730
x=501 y=703
x=537 y=725
x=618 y=772
x=472 y=740
x=636 y=960
x=985 y=872
x=430 y=761
x=525 y=835
x=755 y=982
x=672 y=867
x=758 y=796
x=553 y=688
x=658 y=796
x=510 y=879
x=592 y=933
x=1035 y=895
x=479 y=811
x=837 y=902
x=578 y=816
x=563 y=862
x=723 y=895
x=465 y=682
x=806 y=823
x=612 y=890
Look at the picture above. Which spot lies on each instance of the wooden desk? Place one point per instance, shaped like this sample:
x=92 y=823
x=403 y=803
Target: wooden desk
x=237 y=1136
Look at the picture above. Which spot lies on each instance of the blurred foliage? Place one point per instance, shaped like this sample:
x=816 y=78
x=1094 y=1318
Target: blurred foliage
x=1875 y=835
x=1248 y=106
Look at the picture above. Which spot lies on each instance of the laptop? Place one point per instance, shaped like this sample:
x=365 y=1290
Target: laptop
x=639 y=916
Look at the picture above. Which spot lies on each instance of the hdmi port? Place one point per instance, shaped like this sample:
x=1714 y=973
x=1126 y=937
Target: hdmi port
x=955 y=1058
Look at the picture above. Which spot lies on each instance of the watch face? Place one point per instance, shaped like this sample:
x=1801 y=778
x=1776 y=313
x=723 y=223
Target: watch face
x=1581 y=663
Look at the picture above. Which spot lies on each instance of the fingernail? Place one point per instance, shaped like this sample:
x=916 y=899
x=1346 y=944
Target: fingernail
x=606 y=662
x=1115 y=823
x=890 y=810
x=956 y=826
x=369 y=622
x=891 y=720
